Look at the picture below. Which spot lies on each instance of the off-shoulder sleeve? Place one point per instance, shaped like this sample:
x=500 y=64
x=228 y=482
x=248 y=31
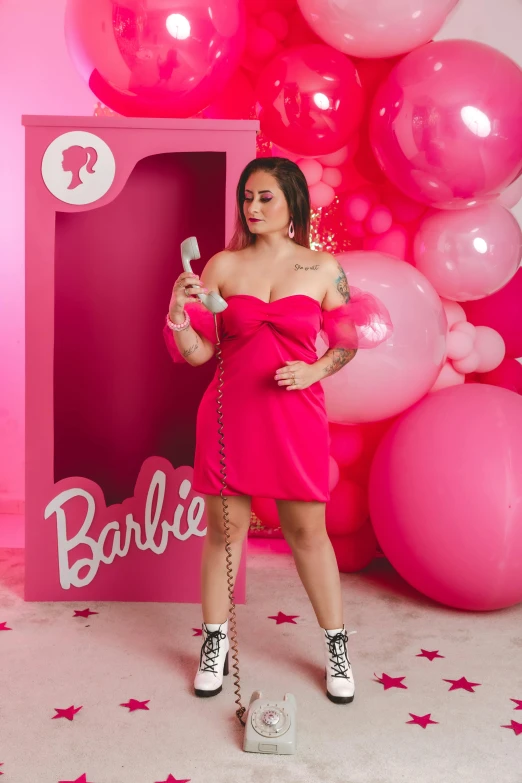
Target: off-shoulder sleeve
x=201 y=320
x=363 y=322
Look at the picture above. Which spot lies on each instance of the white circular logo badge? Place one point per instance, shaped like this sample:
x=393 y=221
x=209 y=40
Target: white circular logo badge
x=78 y=167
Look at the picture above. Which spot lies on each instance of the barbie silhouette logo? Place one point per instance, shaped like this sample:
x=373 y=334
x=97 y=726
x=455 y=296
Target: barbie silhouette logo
x=78 y=167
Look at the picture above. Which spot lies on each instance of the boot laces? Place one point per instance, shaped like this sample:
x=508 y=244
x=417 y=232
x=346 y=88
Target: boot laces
x=338 y=652
x=210 y=650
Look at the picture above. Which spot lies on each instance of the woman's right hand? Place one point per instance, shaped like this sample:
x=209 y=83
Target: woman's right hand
x=185 y=289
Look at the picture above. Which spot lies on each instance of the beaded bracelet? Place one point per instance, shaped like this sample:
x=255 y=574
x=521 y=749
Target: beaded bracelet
x=179 y=327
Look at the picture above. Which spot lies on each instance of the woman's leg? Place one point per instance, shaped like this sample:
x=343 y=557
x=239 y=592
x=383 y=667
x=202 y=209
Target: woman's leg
x=304 y=528
x=214 y=585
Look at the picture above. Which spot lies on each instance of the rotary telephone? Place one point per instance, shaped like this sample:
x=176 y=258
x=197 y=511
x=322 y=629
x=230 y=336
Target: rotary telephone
x=270 y=726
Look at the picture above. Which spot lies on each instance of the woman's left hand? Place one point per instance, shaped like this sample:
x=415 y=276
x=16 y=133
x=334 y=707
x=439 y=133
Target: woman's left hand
x=297 y=375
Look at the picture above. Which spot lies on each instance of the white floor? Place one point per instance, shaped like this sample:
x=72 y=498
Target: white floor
x=52 y=660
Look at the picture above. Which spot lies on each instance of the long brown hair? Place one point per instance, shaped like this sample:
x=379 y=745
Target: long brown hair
x=292 y=182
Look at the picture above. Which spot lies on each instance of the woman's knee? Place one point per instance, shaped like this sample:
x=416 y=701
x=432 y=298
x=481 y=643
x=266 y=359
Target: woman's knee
x=238 y=517
x=303 y=523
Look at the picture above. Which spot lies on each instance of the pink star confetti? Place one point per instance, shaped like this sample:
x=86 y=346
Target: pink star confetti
x=69 y=713
x=83 y=612
x=430 y=654
x=281 y=617
x=197 y=632
x=517 y=727
x=133 y=705
x=1 y=765
x=81 y=779
x=391 y=682
x=463 y=684
x=3 y=627
x=518 y=702
x=172 y=779
x=421 y=720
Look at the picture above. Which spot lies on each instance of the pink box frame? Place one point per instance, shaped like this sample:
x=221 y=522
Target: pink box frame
x=171 y=573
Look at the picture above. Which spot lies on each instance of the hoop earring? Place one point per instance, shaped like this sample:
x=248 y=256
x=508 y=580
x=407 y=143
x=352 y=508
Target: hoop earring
x=291 y=230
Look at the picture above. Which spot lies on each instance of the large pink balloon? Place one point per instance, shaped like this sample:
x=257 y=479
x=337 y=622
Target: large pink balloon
x=311 y=99
x=446 y=496
x=376 y=28
x=468 y=253
x=445 y=125
x=156 y=58
x=386 y=380
x=501 y=311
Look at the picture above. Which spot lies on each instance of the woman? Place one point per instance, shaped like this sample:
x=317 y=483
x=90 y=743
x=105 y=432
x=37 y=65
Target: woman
x=279 y=294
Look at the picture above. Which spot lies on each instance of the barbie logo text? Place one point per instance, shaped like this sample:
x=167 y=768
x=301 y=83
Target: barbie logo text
x=155 y=503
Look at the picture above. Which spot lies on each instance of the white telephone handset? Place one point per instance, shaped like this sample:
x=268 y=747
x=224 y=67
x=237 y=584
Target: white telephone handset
x=190 y=251
x=270 y=726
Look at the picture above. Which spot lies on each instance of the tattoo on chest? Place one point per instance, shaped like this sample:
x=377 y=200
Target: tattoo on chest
x=307 y=268
x=341 y=284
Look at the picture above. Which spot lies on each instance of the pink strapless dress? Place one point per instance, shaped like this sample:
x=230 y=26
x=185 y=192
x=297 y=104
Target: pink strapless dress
x=276 y=441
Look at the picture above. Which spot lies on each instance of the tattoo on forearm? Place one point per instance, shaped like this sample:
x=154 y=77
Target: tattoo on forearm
x=341 y=284
x=339 y=357
x=306 y=268
x=190 y=350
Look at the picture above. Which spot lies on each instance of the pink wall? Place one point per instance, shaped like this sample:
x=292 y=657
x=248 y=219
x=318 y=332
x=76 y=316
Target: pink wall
x=36 y=77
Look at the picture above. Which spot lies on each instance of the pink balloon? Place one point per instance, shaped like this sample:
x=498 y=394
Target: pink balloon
x=394 y=242
x=458 y=344
x=454 y=311
x=379 y=220
x=336 y=158
x=490 y=347
x=376 y=29
x=276 y=23
x=448 y=376
x=163 y=58
x=355 y=551
x=508 y=375
x=311 y=99
x=510 y=197
x=321 y=194
x=265 y=510
x=356 y=206
x=234 y=102
x=445 y=125
x=468 y=364
x=431 y=466
x=300 y=33
x=403 y=209
x=469 y=253
x=385 y=381
x=260 y=43
x=333 y=474
x=502 y=311
x=346 y=444
x=312 y=170
x=354 y=229
x=465 y=327
x=332 y=176
x=347 y=509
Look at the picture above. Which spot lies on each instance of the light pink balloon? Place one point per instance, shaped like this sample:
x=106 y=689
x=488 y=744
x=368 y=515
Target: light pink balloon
x=510 y=197
x=379 y=220
x=381 y=28
x=465 y=327
x=336 y=158
x=502 y=311
x=468 y=254
x=356 y=206
x=445 y=124
x=448 y=376
x=333 y=474
x=469 y=363
x=312 y=170
x=454 y=312
x=332 y=176
x=459 y=345
x=445 y=497
x=490 y=347
x=382 y=382
x=321 y=194
x=393 y=242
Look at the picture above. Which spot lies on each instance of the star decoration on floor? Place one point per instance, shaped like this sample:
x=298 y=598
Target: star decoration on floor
x=134 y=704
x=83 y=612
x=81 y=779
x=517 y=727
x=430 y=654
x=421 y=720
x=69 y=713
x=518 y=702
x=391 y=682
x=1 y=765
x=463 y=684
x=172 y=779
x=197 y=632
x=281 y=617
x=3 y=627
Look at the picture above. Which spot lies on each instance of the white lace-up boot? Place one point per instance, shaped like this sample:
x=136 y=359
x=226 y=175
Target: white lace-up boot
x=340 y=685
x=213 y=660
